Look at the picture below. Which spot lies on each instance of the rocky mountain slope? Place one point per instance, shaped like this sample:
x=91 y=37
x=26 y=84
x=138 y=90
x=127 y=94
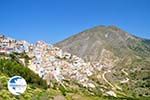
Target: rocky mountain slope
x=124 y=56
x=90 y=43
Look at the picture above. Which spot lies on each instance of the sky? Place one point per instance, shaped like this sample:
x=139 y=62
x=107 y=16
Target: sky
x=56 y=20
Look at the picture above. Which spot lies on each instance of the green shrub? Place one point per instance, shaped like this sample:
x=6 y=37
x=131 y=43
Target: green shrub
x=12 y=68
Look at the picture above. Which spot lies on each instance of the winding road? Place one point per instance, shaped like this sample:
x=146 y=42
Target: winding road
x=109 y=71
x=112 y=85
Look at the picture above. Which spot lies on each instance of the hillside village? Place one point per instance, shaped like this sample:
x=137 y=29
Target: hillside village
x=50 y=62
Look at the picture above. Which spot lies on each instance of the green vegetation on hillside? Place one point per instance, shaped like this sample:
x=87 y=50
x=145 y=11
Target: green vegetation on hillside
x=12 y=68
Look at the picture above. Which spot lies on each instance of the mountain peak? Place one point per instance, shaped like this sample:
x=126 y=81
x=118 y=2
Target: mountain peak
x=91 y=42
x=102 y=32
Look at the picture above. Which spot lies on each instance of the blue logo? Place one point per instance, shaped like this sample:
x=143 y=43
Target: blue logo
x=17 y=85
